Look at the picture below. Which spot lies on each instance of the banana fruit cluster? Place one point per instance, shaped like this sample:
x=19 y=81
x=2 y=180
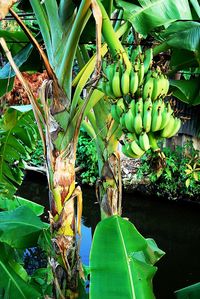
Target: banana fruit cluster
x=138 y=105
x=143 y=123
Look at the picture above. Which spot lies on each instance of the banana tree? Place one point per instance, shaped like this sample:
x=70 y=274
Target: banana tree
x=58 y=118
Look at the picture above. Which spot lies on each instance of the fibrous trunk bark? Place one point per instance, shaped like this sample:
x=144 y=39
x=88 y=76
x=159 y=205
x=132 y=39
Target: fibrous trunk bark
x=109 y=187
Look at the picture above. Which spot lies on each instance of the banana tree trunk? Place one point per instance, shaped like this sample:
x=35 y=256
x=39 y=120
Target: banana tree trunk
x=63 y=193
x=110 y=187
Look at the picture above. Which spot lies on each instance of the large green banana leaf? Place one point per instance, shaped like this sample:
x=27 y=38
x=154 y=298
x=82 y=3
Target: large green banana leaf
x=17 y=140
x=187 y=91
x=146 y=15
x=13 y=278
x=8 y=204
x=20 y=228
x=121 y=261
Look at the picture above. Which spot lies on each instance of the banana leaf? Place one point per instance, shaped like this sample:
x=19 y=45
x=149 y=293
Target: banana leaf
x=6 y=85
x=187 y=91
x=150 y=14
x=121 y=261
x=13 y=279
x=17 y=201
x=183 y=35
x=18 y=137
x=20 y=228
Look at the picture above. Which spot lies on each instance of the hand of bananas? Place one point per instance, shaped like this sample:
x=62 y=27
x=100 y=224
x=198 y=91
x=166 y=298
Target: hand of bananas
x=138 y=102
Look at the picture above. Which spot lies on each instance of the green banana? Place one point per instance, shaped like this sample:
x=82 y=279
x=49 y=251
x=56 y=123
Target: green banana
x=138 y=126
x=141 y=74
x=127 y=151
x=122 y=121
x=165 y=83
x=144 y=141
x=165 y=118
x=129 y=121
x=135 y=53
x=148 y=58
x=165 y=133
x=156 y=120
x=130 y=137
x=120 y=107
x=136 y=149
x=114 y=113
x=153 y=142
x=108 y=90
x=148 y=88
x=139 y=106
x=157 y=87
x=116 y=84
x=147 y=115
x=133 y=82
x=177 y=125
x=132 y=107
x=125 y=82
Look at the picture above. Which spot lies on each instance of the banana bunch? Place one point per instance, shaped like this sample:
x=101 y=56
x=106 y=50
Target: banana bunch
x=156 y=85
x=144 y=123
x=137 y=101
x=118 y=80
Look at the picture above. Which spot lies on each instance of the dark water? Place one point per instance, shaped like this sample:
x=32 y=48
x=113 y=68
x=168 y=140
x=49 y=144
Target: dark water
x=174 y=226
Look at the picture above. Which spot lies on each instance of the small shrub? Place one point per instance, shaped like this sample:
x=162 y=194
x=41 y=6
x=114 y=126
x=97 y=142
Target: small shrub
x=179 y=178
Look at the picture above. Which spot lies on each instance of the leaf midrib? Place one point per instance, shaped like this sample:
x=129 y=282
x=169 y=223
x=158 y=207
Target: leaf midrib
x=127 y=263
x=12 y=279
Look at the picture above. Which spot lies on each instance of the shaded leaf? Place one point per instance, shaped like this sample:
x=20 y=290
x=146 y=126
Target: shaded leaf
x=187 y=90
x=11 y=282
x=19 y=58
x=6 y=86
x=11 y=204
x=20 y=228
x=121 y=261
x=150 y=14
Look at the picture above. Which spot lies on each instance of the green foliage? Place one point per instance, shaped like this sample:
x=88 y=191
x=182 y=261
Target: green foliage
x=122 y=261
x=180 y=178
x=17 y=141
x=87 y=158
x=37 y=157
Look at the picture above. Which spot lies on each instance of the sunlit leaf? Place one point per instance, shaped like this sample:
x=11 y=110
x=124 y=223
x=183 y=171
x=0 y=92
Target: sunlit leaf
x=187 y=182
x=121 y=261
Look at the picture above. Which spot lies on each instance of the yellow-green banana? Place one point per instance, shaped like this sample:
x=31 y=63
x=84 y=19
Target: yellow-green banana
x=165 y=133
x=122 y=121
x=147 y=115
x=116 y=84
x=127 y=151
x=138 y=126
x=133 y=82
x=120 y=107
x=165 y=118
x=125 y=82
x=144 y=141
x=135 y=53
x=156 y=119
x=148 y=88
x=136 y=148
x=139 y=106
x=177 y=125
x=114 y=113
x=129 y=121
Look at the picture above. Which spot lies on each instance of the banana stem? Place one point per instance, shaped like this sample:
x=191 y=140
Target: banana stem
x=111 y=38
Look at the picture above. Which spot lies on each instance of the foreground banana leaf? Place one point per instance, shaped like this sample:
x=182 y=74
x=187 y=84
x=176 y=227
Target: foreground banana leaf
x=14 y=281
x=121 y=261
x=20 y=228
